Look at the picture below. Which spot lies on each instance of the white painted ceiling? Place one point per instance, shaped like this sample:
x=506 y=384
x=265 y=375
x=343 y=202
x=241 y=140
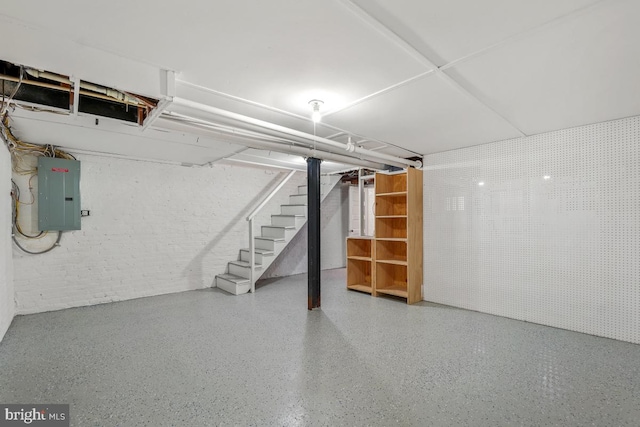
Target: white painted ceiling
x=400 y=76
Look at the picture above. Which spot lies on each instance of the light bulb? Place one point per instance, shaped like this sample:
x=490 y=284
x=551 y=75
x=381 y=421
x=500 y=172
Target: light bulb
x=315 y=114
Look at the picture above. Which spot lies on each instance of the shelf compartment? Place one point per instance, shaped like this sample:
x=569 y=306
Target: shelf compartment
x=360 y=258
x=360 y=287
x=393 y=194
x=359 y=247
x=391 y=251
x=391 y=279
x=392 y=205
x=398 y=291
x=395 y=228
x=359 y=275
x=391 y=183
x=392 y=261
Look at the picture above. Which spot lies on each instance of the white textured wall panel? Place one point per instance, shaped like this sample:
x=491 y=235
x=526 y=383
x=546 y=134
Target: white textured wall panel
x=544 y=229
x=7 y=305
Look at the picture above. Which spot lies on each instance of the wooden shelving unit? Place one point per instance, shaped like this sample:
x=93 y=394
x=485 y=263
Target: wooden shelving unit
x=391 y=263
x=360 y=273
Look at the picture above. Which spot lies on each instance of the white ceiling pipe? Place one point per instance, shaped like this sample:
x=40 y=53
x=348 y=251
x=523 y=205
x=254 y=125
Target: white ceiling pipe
x=367 y=154
x=231 y=131
x=258 y=136
x=254 y=142
x=262 y=134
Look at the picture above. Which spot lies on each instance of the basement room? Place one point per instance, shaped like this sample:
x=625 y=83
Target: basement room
x=320 y=213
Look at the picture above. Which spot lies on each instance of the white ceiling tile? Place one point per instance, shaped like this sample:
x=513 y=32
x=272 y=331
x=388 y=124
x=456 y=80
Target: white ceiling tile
x=581 y=71
x=444 y=31
x=425 y=116
x=268 y=59
x=281 y=53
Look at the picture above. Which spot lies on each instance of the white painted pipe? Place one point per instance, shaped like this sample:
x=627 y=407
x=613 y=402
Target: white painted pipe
x=254 y=142
x=366 y=154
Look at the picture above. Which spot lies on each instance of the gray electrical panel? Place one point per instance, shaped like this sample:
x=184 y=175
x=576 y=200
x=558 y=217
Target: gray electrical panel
x=58 y=194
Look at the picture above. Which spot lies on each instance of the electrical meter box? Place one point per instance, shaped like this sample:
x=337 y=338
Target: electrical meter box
x=58 y=194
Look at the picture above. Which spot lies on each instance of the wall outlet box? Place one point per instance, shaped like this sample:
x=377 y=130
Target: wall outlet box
x=85 y=212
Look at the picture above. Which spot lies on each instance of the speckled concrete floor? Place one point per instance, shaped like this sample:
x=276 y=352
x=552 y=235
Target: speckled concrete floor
x=206 y=358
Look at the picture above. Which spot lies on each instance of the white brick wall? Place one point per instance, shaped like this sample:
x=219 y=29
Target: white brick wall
x=154 y=229
x=7 y=305
x=334 y=223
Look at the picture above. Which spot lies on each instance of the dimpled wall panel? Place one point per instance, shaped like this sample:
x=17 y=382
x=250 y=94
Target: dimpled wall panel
x=544 y=229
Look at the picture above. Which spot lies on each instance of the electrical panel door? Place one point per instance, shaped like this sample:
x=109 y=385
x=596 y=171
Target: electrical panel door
x=58 y=194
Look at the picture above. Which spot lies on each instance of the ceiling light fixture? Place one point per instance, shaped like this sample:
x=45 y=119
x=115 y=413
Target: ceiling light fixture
x=315 y=114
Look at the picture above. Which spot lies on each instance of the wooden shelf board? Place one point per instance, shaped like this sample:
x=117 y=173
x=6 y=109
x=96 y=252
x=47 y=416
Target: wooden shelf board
x=361 y=237
x=391 y=216
x=395 y=193
x=362 y=287
x=392 y=239
x=399 y=291
x=392 y=261
x=360 y=258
